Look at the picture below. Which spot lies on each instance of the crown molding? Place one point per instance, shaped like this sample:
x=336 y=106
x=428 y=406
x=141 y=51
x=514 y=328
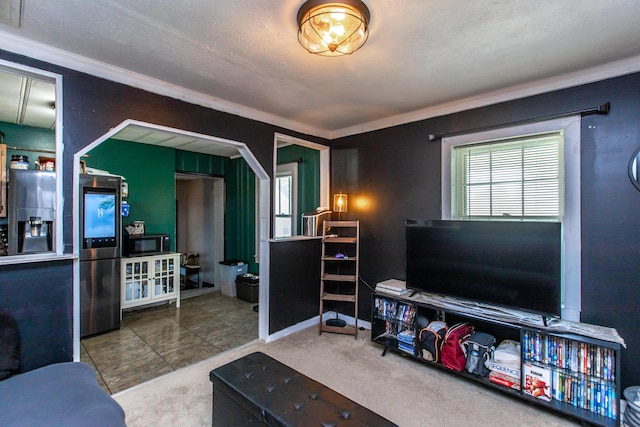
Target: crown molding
x=42 y=52
x=589 y=75
x=19 y=45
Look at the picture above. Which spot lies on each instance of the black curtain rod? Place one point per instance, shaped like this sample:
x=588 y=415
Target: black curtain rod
x=601 y=109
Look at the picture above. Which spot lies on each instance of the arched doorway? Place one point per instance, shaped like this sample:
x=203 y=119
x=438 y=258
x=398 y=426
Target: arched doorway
x=146 y=133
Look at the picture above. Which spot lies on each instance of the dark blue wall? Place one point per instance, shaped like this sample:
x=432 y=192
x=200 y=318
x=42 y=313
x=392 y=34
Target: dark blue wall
x=40 y=297
x=91 y=107
x=395 y=172
x=294 y=282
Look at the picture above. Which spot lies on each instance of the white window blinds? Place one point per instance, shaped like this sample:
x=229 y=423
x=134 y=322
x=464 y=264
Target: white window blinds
x=520 y=177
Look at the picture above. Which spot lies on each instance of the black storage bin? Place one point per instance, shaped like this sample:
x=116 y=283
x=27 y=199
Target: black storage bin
x=247 y=286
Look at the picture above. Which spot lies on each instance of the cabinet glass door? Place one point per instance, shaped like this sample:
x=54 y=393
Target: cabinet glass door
x=163 y=276
x=136 y=281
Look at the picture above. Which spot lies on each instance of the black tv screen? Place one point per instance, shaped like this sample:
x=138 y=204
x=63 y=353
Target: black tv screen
x=507 y=263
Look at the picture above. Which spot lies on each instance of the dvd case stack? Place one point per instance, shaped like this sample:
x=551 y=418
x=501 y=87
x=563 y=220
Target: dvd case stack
x=398 y=320
x=581 y=374
x=401 y=315
x=406 y=341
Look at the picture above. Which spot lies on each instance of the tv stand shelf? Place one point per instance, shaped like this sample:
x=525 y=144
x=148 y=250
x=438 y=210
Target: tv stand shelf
x=580 y=362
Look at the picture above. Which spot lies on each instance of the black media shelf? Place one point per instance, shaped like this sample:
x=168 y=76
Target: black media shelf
x=586 y=373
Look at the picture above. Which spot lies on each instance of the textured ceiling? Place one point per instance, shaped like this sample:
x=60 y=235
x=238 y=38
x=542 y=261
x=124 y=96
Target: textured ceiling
x=421 y=54
x=26 y=101
x=155 y=135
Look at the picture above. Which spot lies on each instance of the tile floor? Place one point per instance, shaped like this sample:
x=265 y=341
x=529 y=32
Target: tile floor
x=155 y=341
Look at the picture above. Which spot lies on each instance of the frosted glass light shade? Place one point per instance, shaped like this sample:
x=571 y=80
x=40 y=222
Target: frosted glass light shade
x=333 y=28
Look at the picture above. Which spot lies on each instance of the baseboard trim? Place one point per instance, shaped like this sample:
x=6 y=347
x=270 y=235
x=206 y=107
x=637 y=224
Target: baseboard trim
x=314 y=321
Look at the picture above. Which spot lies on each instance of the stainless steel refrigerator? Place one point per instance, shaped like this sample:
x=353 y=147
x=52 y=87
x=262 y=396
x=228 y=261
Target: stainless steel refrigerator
x=100 y=249
x=31 y=213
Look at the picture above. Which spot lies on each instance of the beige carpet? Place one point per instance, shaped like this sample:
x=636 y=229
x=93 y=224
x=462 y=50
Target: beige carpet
x=401 y=389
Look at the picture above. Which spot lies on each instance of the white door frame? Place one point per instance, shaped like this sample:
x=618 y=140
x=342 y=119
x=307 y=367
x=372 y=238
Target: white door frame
x=263 y=217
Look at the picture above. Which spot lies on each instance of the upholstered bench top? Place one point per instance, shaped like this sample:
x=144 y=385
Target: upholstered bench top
x=278 y=395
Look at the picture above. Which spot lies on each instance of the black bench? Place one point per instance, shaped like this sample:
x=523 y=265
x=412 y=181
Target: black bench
x=257 y=389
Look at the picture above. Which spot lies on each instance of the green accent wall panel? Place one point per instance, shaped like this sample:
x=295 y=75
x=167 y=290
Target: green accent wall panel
x=30 y=138
x=190 y=162
x=240 y=213
x=308 y=176
x=149 y=172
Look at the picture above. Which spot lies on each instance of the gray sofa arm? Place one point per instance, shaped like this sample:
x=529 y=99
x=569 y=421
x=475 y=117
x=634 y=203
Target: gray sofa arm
x=62 y=394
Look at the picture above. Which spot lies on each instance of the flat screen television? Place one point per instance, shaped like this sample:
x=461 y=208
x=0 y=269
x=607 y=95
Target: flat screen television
x=507 y=263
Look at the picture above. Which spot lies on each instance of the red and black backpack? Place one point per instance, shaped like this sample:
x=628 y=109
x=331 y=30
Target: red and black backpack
x=453 y=353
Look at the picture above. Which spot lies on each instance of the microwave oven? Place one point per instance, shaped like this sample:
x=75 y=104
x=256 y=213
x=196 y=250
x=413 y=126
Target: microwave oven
x=146 y=244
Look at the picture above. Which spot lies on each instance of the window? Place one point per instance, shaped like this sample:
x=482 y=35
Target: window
x=486 y=185
x=311 y=183
x=286 y=200
x=516 y=178
x=37 y=136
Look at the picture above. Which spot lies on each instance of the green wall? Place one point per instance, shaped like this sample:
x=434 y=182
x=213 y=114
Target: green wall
x=149 y=172
x=187 y=161
x=240 y=214
x=30 y=138
x=308 y=176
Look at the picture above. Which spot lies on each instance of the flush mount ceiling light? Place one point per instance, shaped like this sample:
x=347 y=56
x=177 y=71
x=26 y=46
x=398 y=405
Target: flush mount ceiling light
x=333 y=28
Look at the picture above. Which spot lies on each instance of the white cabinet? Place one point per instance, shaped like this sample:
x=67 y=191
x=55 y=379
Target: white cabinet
x=3 y=181
x=150 y=279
